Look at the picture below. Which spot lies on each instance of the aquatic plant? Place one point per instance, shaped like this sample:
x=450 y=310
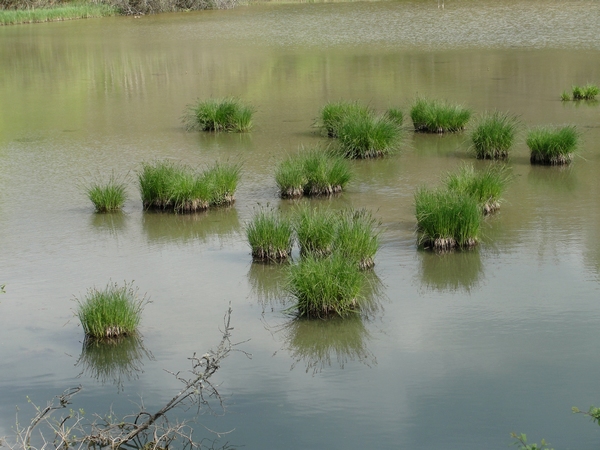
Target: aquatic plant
x=367 y=136
x=565 y=96
x=109 y=196
x=333 y=114
x=395 y=115
x=325 y=287
x=223 y=180
x=12 y=13
x=485 y=186
x=316 y=230
x=312 y=172
x=357 y=238
x=165 y=185
x=111 y=312
x=227 y=114
x=552 y=145
x=270 y=236
x=587 y=92
x=446 y=219
x=432 y=116
x=494 y=135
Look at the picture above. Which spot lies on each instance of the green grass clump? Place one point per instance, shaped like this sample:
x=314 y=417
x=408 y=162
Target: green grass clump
x=316 y=230
x=587 y=92
x=325 y=287
x=228 y=114
x=552 y=146
x=270 y=236
x=432 y=116
x=335 y=113
x=111 y=312
x=494 y=135
x=368 y=136
x=67 y=11
x=395 y=115
x=446 y=219
x=485 y=186
x=223 y=180
x=168 y=186
x=109 y=196
x=357 y=238
x=314 y=172
x=565 y=96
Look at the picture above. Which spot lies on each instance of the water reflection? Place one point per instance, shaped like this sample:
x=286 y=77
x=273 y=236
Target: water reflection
x=114 y=361
x=556 y=178
x=111 y=223
x=320 y=343
x=164 y=227
x=451 y=271
x=267 y=282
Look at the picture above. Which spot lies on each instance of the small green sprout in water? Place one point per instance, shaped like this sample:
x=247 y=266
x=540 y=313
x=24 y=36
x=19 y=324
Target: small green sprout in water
x=565 y=96
x=109 y=196
x=587 y=92
x=111 y=312
x=521 y=443
x=227 y=114
x=552 y=145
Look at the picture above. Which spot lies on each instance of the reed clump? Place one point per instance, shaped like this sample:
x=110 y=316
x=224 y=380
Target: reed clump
x=494 y=135
x=108 y=196
x=315 y=230
x=433 y=116
x=112 y=312
x=313 y=173
x=333 y=114
x=227 y=114
x=587 y=92
x=370 y=136
x=357 y=237
x=446 y=219
x=552 y=145
x=270 y=236
x=485 y=186
x=168 y=186
x=324 y=287
x=18 y=12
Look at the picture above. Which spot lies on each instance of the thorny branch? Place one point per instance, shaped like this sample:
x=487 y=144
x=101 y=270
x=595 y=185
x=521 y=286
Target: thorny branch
x=142 y=430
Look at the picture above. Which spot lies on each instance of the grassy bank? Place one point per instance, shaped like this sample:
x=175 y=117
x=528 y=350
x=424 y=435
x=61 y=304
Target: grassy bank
x=68 y=11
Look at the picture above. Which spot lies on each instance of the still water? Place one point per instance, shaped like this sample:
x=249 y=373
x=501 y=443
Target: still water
x=464 y=347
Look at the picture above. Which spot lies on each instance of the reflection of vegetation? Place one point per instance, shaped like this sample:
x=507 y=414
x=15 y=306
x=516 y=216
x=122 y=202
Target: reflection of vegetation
x=113 y=361
x=451 y=271
x=111 y=222
x=561 y=178
x=160 y=226
x=320 y=342
x=267 y=282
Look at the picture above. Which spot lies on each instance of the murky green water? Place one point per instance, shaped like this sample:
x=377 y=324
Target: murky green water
x=464 y=349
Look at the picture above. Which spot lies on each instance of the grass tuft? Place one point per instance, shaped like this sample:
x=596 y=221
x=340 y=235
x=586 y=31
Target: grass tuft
x=316 y=230
x=109 y=196
x=587 y=92
x=324 y=287
x=368 y=136
x=335 y=113
x=165 y=185
x=357 y=238
x=270 y=236
x=395 y=115
x=446 y=219
x=228 y=114
x=313 y=172
x=485 y=186
x=494 y=135
x=432 y=116
x=111 y=312
x=552 y=146
x=67 y=11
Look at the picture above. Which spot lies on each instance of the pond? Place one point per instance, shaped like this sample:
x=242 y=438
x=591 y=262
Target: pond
x=464 y=347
